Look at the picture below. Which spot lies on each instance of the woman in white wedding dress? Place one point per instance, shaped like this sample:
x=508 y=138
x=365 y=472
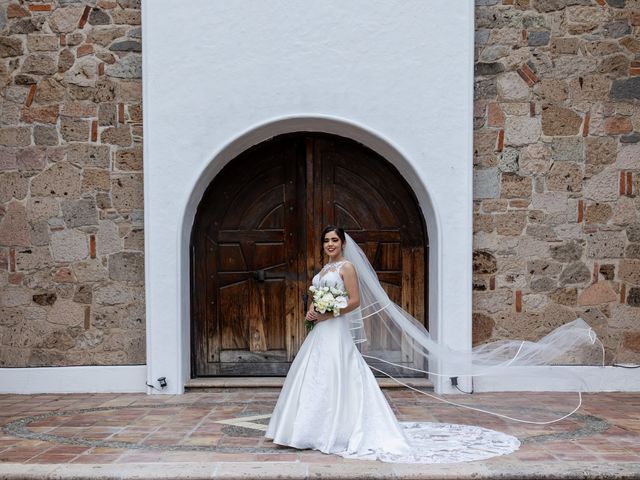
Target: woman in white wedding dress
x=331 y=400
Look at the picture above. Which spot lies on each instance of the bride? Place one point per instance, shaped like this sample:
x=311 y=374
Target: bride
x=331 y=401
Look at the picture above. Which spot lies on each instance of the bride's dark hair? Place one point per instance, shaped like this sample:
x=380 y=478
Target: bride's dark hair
x=331 y=228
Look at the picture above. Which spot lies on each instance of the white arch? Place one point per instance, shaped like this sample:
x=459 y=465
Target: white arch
x=259 y=133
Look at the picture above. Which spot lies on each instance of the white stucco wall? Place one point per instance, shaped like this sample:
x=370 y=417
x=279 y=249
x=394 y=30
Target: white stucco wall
x=396 y=75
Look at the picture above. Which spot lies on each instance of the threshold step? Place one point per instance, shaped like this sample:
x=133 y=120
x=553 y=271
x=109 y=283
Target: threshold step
x=203 y=383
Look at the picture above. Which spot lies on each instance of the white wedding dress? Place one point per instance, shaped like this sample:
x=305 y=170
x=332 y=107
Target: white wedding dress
x=331 y=402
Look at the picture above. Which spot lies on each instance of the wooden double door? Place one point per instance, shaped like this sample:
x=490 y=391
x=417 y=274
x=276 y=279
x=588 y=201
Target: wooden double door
x=255 y=246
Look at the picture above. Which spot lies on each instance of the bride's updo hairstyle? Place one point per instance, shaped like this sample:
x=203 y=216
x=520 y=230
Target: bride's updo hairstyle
x=331 y=228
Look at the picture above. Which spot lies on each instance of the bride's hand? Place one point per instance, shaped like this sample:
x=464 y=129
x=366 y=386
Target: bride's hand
x=312 y=315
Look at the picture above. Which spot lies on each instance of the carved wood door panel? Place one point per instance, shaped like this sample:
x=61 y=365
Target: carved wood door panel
x=255 y=246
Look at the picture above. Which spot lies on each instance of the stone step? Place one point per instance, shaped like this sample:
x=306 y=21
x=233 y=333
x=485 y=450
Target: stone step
x=204 y=384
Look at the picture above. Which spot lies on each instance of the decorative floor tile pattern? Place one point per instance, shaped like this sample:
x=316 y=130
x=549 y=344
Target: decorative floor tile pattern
x=228 y=426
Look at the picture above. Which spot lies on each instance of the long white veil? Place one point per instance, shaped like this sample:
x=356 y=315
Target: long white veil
x=397 y=345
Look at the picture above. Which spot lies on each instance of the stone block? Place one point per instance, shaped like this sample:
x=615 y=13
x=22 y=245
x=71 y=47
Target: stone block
x=33 y=258
x=616 y=29
x=538 y=38
x=624 y=212
x=492 y=301
x=535 y=159
x=30 y=159
x=602 y=187
x=134 y=240
x=99 y=17
x=629 y=271
x=605 y=244
x=79 y=109
x=45 y=135
x=521 y=130
x=78 y=213
x=39 y=232
x=508 y=160
x=69 y=246
x=14 y=296
x=40 y=64
x=15 y=136
x=113 y=294
x=90 y=271
x=485 y=89
x=108 y=239
x=628 y=157
x=630 y=138
x=541 y=232
x=625 y=89
x=560 y=121
x=49 y=90
x=10 y=47
x=105 y=36
x=583 y=19
x=543 y=284
x=126 y=267
x=596 y=294
x=83 y=73
x=540 y=267
x=60 y=180
x=600 y=150
x=564 y=296
x=13 y=185
x=107 y=114
x=95 y=179
x=633 y=300
x=553 y=5
x=127 y=67
x=129 y=159
x=511 y=87
x=484 y=262
x=117 y=136
x=84 y=294
x=575 y=273
x=565 y=177
x=66 y=59
x=598 y=213
x=510 y=223
x=128 y=46
x=127 y=191
x=87 y=155
x=590 y=88
x=567 y=252
x=550 y=202
x=565 y=45
x=633 y=232
x=73 y=129
x=42 y=42
x=66 y=19
x=66 y=312
x=482 y=328
x=486 y=183
x=617 y=125
x=515 y=186
x=14 y=229
x=632 y=250
x=568 y=149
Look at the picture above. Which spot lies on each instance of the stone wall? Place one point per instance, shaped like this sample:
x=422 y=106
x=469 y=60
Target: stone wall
x=71 y=237
x=557 y=149
x=557 y=162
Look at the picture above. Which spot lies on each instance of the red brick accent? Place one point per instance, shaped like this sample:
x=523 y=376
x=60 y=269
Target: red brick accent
x=85 y=16
x=585 y=124
x=507 y=2
x=601 y=2
x=623 y=184
x=527 y=75
x=92 y=246
x=63 y=40
x=40 y=8
x=87 y=317
x=16 y=11
x=30 y=95
x=634 y=71
x=12 y=260
x=85 y=49
x=580 y=211
x=94 y=131
x=519 y=203
x=495 y=117
x=121 y=113
x=635 y=17
x=623 y=292
x=492 y=283
x=594 y=274
x=500 y=141
x=629 y=183
x=532 y=109
x=101 y=69
x=16 y=278
x=518 y=301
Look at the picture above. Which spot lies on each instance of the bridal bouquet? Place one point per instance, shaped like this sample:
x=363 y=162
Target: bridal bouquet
x=327 y=299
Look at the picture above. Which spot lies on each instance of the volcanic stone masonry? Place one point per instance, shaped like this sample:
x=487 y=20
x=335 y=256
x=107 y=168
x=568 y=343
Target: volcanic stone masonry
x=556 y=167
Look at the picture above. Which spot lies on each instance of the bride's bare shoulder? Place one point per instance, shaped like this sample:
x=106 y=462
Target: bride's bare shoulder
x=347 y=267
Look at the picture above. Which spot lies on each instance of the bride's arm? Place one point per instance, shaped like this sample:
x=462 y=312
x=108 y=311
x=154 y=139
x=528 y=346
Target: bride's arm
x=350 y=279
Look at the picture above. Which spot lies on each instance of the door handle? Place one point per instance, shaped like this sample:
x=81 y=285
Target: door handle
x=261 y=275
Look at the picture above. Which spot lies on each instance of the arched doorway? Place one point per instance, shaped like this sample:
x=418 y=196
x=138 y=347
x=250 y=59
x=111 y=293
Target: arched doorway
x=254 y=246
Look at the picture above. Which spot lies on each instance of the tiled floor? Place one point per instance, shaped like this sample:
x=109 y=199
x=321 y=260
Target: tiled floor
x=135 y=428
